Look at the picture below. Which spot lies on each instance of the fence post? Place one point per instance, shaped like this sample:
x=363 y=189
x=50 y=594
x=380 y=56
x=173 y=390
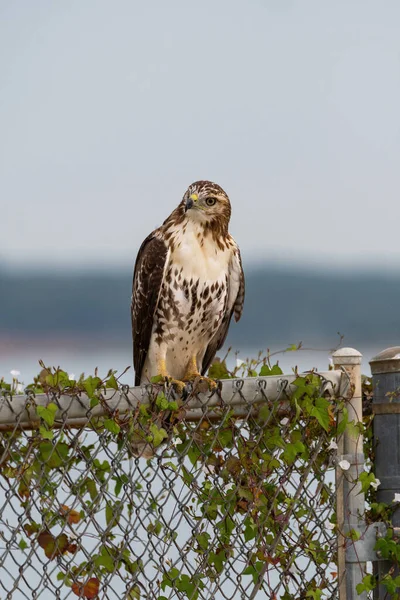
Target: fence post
x=349 y=498
x=385 y=368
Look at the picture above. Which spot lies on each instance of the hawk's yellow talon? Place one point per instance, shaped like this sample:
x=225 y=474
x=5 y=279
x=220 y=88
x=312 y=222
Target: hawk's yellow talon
x=176 y=383
x=199 y=380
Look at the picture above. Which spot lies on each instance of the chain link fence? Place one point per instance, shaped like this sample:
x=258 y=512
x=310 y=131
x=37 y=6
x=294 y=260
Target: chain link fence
x=137 y=494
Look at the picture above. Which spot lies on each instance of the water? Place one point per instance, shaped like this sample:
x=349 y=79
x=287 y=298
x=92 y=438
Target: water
x=85 y=355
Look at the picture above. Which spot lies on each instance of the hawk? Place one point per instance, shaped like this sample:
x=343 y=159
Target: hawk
x=188 y=282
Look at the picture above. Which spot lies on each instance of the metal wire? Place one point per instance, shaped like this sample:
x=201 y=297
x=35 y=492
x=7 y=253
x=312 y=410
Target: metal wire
x=81 y=516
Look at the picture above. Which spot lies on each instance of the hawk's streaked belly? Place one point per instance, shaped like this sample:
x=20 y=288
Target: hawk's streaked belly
x=192 y=303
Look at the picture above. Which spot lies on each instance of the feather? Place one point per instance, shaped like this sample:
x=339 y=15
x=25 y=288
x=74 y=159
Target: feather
x=236 y=286
x=147 y=281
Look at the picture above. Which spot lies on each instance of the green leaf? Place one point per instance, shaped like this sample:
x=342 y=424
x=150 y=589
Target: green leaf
x=169 y=578
x=353 y=429
x=354 y=535
x=315 y=594
x=368 y=584
x=251 y=529
x=46 y=434
x=203 y=539
x=117 y=509
x=391 y=585
x=344 y=418
x=226 y=526
x=22 y=544
x=158 y=435
x=264 y=414
x=187 y=476
x=91 y=384
x=132 y=567
x=291 y=451
x=267 y=371
x=47 y=413
x=134 y=593
x=225 y=437
x=94 y=402
x=366 y=479
x=211 y=510
x=188 y=585
x=170 y=465
x=109 y=513
x=321 y=412
x=161 y=401
x=217 y=559
x=157 y=379
x=54 y=456
x=91 y=487
x=101 y=468
x=59 y=380
x=245 y=493
x=155 y=527
x=193 y=454
x=112 y=426
x=105 y=560
x=298 y=409
x=218 y=370
x=112 y=382
x=143 y=410
x=51 y=380
x=119 y=482
x=254 y=570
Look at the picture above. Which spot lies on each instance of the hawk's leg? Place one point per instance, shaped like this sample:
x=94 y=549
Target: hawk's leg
x=162 y=372
x=192 y=374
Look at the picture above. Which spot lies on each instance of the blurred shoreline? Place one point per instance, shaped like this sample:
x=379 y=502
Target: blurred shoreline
x=281 y=304
x=81 y=320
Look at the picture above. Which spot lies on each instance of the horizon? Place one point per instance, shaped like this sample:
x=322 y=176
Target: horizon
x=379 y=270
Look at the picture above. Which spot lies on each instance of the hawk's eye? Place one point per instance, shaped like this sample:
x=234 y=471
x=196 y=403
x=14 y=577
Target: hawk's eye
x=210 y=201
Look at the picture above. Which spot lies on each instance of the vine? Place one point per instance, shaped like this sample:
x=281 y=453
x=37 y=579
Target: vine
x=242 y=478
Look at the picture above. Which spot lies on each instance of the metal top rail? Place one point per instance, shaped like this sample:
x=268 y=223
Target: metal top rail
x=20 y=410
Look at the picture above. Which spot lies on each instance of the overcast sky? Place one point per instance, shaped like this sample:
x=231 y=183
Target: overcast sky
x=110 y=109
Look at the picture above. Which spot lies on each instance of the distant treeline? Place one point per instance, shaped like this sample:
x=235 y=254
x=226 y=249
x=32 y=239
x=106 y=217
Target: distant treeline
x=286 y=304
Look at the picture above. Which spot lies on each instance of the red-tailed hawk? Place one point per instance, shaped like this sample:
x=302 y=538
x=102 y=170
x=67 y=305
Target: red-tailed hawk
x=188 y=282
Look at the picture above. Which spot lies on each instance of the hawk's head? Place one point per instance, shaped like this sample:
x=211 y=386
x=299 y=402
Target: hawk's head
x=207 y=203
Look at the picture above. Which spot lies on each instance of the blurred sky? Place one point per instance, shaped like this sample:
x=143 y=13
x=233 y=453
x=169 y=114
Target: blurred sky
x=109 y=109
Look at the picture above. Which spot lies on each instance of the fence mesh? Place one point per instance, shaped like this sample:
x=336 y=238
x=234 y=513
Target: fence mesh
x=237 y=502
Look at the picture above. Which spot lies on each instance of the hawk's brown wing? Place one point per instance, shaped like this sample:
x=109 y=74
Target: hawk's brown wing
x=236 y=288
x=147 y=281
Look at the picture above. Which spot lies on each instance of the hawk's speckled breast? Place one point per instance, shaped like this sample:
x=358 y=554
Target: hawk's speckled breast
x=193 y=300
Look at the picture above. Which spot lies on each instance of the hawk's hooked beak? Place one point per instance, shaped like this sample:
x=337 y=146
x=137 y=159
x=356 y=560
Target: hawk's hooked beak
x=191 y=201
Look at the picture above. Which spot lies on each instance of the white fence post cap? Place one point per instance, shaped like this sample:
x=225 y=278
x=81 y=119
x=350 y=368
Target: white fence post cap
x=346 y=356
